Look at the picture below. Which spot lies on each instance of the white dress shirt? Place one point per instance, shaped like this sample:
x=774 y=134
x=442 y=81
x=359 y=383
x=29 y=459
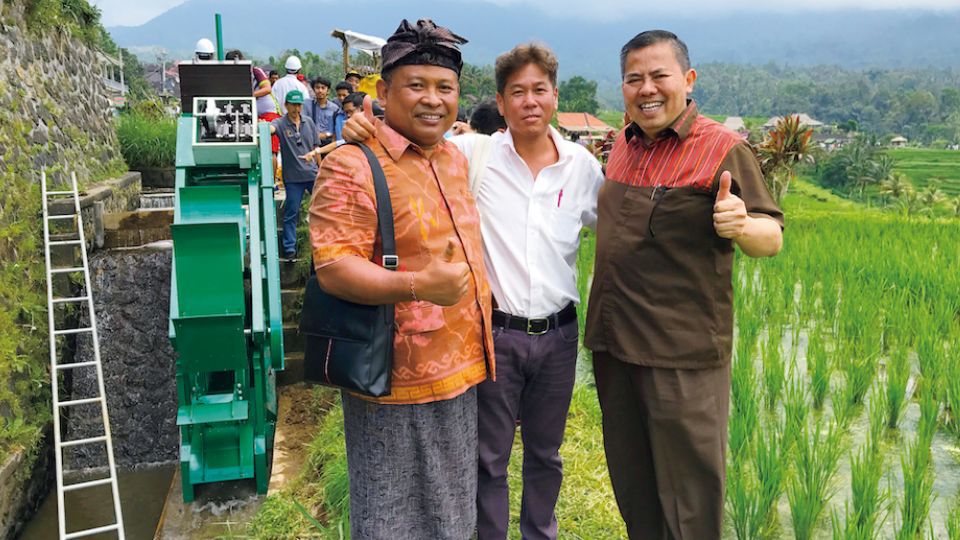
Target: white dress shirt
x=285 y=84
x=531 y=227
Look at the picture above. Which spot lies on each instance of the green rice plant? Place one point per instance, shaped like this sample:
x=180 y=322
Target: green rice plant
x=773 y=368
x=769 y=462
x=818 y=366
x=952 y=395
x=858 y=376
x=897 y=377
x=809 y=488
x=915 y=500
x=843 y=408
x=953 y=520
x=744 y=413
x=930 y=356
x=868 y=499
x=877 y=417
x=794 y=410
x=929 y=417
x=742 y=501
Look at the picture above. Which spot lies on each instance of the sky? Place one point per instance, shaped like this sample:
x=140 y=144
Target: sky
x=126 y=13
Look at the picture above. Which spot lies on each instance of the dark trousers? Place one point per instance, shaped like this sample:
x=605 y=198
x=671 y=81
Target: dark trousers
x=291 y=212
x=535 y=375
x=665 y=436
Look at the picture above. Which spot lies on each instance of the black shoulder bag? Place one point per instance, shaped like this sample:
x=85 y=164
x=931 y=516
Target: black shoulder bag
x=351 y=345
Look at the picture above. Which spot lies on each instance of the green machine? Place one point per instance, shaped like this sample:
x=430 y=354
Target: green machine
x=225 y=319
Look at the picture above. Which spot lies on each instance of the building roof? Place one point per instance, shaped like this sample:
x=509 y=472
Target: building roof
x=898 y=138
x=805 y=120
x=578 y=121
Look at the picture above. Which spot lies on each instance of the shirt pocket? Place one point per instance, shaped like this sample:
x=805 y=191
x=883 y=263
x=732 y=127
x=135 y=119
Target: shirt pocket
x=418 y=317
x=564 y=228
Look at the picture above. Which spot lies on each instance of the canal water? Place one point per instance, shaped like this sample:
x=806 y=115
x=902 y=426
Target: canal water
x=142 y=494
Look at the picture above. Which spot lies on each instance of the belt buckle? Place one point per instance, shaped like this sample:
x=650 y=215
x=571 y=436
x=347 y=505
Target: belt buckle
x=534 y=332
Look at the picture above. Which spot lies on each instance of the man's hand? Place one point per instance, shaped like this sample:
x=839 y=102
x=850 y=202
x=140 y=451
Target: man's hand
x=359 y=127
x=729 y=212
x=443 y=282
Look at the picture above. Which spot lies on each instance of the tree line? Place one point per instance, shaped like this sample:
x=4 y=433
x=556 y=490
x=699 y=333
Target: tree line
x=920 y=104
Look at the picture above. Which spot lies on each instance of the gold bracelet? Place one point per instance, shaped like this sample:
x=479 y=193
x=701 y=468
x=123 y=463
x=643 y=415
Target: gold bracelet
x=413 y=292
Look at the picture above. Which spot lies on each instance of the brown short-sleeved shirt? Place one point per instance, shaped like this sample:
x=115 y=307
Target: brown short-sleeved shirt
x=662 y=294
x=439 y=352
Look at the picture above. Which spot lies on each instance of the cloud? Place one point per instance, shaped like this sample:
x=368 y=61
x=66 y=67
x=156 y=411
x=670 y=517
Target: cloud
x=126 y=13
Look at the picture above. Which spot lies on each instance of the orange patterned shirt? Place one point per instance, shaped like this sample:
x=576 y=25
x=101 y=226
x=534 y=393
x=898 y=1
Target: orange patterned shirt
x=439 y=352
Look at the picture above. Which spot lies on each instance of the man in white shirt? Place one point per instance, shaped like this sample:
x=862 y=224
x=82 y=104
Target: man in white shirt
x=535 y=193
x=289 y=82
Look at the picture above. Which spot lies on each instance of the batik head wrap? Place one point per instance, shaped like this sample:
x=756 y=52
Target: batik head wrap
x=423 y=44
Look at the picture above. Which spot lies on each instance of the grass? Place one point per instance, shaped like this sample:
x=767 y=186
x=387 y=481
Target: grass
x=146 y=141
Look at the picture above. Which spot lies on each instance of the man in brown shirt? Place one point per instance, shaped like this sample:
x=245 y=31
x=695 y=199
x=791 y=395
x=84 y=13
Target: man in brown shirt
x=412 y=455
x=681 y=190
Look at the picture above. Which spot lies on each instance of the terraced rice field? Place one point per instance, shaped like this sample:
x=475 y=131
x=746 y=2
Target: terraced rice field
x=923 y=166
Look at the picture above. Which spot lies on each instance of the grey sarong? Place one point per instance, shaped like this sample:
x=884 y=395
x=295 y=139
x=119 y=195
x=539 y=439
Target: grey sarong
x=413 y=468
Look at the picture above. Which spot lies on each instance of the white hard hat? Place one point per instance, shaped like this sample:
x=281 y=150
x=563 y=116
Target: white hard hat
x=293 y=64
x=204 y=46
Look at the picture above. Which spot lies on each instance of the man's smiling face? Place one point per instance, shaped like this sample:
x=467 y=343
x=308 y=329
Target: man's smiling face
x=655 y=87
x=420 y=102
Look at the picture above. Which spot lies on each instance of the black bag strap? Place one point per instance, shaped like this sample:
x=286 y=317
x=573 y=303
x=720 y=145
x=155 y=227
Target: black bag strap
x=384 y=210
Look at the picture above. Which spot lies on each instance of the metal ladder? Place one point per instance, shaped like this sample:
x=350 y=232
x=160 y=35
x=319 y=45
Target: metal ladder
x=56 y=368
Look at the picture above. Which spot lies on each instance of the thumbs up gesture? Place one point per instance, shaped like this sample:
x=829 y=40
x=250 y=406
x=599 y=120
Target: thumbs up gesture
x=359 y=127
x=443 y=281
x=729 y=212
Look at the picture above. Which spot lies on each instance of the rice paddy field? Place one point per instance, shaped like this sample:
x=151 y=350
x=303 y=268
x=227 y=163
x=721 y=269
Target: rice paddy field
x=845 y=404
x=925 y=165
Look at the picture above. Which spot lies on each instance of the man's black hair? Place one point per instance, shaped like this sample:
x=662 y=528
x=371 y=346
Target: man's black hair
x=486 y=118
x=652 y=37
x=320 y=80
x=343 y=85
x=235 y=54
x=356 y=98
x=272 y=73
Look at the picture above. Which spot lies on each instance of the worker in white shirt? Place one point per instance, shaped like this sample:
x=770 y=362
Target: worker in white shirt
x=288 y=82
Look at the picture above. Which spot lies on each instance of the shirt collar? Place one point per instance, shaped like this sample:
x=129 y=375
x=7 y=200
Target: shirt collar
x=506 y=138
x=681 y=127
x=396 y=144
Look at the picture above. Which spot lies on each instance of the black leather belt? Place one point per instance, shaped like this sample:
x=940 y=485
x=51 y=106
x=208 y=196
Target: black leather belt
x=536 y=326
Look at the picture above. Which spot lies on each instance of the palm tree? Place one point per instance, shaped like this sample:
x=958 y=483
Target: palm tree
x=930 y=197
x=909 y=202
x=784 y=147
x=895 y=186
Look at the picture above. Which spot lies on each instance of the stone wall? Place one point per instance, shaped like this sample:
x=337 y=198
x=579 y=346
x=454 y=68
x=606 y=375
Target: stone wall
x=131 y=289
x=54 y=116
x=53 y=100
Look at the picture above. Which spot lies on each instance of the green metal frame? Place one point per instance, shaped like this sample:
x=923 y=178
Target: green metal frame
x=225 y=317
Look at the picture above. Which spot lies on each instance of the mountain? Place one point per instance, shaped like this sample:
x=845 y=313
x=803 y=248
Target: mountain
x=847 y=38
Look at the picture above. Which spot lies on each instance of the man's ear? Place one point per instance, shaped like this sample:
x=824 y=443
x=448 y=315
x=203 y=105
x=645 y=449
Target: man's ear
x=691 y=77
x=383 y=88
